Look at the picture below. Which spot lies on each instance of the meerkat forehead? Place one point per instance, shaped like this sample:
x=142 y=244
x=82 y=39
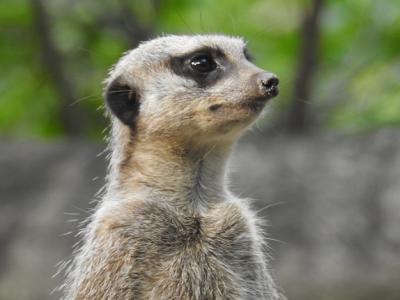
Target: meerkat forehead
x=161 y=49
x=182 y=44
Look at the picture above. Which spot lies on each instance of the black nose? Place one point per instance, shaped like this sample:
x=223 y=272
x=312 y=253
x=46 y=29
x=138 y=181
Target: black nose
x=269 y=84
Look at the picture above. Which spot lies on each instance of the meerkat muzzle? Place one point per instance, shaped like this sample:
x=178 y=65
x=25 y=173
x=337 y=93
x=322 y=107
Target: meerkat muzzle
x=267 y=88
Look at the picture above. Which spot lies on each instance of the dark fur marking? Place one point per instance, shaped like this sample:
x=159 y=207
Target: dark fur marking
x=215 y=107
x=123 y=101
x=248 y=55
x=181 y=66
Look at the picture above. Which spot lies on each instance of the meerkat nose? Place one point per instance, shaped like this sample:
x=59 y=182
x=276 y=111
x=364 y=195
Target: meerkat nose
x=268 y=84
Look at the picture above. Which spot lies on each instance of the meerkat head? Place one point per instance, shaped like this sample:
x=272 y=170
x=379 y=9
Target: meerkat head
x=202 y=88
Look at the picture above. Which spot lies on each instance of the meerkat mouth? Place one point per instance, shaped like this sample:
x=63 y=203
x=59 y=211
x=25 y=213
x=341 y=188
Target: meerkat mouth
x=272 y=92
x=256 y=104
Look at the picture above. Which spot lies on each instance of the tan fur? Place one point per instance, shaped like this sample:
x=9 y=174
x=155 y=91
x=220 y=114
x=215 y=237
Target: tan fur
x=167 y=227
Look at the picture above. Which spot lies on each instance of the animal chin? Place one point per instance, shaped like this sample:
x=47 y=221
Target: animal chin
x=256 y=104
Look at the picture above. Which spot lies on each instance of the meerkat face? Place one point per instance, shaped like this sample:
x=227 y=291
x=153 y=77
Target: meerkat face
x=201 y=87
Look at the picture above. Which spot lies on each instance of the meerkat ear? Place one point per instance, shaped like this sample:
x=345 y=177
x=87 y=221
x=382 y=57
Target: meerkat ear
x=123 y=101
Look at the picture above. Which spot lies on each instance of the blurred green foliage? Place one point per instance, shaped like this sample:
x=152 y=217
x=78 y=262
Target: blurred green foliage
x=355 y=88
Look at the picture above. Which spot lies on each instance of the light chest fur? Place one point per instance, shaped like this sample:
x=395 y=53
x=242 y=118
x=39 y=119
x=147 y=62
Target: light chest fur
x=146 y=250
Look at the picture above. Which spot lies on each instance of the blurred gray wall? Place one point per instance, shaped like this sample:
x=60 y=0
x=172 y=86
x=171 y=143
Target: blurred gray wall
x=332 y=205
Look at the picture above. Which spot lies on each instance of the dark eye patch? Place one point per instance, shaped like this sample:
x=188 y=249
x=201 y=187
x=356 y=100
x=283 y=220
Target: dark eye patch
x=202 y=66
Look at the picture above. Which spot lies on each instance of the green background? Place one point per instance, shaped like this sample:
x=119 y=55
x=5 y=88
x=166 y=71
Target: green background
x=354 y=87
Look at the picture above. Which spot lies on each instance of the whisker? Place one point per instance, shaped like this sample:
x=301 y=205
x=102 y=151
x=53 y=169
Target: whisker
x=84 y=50
x=97 y=96
x=275 y=240
x=84 y=98
x=307 y=101
x=81 y=209
x=71 y=214
x=269 y=206
x=185 y=23
x=65 y=234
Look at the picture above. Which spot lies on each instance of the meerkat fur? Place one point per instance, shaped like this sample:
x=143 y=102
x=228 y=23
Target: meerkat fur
x=167 y=227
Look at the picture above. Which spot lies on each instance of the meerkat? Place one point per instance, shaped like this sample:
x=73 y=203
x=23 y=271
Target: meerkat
x=167 y=226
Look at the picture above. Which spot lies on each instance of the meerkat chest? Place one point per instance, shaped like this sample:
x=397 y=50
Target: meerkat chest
x=224 y=230
x=207 y=256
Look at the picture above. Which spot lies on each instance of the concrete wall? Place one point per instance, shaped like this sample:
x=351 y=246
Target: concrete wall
x=332 y=204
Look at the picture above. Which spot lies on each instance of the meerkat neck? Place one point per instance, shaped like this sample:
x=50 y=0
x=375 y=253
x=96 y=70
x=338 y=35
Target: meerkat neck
x=182 y=175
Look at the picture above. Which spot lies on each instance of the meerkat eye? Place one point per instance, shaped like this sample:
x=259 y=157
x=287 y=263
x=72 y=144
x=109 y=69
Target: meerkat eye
x=203 y=63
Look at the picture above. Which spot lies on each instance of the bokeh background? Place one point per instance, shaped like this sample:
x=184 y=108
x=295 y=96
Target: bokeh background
x=323 y=162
